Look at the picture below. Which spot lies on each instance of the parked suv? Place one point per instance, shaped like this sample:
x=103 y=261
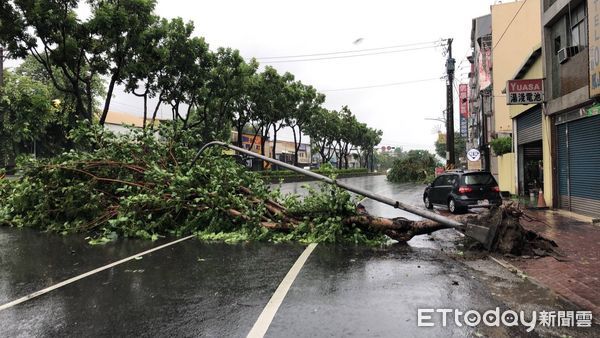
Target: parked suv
x=461 y=190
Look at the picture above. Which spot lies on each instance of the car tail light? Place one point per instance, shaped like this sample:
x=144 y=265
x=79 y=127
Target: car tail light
x=496 y=189
x=465 y=189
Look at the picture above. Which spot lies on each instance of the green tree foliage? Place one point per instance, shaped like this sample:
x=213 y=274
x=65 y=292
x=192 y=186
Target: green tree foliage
x=417 y=166
x=185 y=72
x=64 y=45
x=140 y=184
x=31 y=68
x=307 y=105
x=209 y=92
x=340 y=134
x=136 y=186
x=347 y=133
x=460 y=146
x=385 y=160
x=322 y=129
x=223 y=93
x=247 y=89
x=365 y=141
x=120 y=28
x=26 y=116
x=274 y=100
x=143 y=73
x=502 y=145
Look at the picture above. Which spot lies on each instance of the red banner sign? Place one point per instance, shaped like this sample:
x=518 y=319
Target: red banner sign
x=463 y=96
x=463 y=99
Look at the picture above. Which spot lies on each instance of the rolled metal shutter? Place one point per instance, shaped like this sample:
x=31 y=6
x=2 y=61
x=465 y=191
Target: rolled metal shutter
x=533 y=152
x=529 y=126
x=584 y=165
x=563 y=166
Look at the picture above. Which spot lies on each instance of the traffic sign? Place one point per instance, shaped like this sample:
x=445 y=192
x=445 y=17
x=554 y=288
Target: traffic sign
x=473 y=155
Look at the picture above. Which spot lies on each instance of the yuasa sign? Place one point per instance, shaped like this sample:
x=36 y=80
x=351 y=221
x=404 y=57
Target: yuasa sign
x=530 y=91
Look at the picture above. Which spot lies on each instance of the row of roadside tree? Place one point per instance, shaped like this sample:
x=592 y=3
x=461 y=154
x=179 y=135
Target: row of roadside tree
x=79 y=62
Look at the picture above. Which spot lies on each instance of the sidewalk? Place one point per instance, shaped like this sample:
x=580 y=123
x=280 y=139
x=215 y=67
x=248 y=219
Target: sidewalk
x=577 y=275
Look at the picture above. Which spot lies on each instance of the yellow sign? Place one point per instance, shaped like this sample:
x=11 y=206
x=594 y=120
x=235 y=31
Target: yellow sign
x=594 y=46
x=442 y=138
x=228 y=152
x=474 y=165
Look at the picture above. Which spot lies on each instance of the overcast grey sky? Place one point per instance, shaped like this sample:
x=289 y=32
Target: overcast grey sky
x=267 y=28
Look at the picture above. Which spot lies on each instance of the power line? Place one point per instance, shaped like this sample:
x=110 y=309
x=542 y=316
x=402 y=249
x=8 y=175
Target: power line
x=510 y=23
x=383 y=85
x=125 y=104
x=346 y=52
x=350 y=56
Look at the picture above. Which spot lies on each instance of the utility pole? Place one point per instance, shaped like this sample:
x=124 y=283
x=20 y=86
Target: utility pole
x=484 y=136
x=1 y=67
x=450 y=163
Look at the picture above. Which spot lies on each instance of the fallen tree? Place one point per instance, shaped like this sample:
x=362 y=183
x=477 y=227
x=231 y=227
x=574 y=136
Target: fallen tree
x=137 y=186
x=510 y=237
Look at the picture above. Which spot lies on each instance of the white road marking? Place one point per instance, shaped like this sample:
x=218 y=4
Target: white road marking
x=89 y=273
x=266 y=317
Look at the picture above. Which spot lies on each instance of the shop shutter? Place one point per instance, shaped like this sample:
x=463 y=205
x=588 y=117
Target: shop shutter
x=532 y=152
x=584 y=165
x=529 y=126
x=563 y=165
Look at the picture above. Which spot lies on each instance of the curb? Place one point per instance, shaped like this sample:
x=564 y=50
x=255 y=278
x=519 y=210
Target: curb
x=515 y=270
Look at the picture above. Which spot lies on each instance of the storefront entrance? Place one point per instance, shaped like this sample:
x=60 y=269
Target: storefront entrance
x=531 y=168
x=529 y=151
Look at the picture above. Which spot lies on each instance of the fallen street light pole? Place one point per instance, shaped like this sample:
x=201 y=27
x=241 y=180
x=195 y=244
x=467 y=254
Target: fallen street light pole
x=482 y=234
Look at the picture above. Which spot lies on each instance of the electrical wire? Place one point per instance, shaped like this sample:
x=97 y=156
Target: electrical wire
x=346 y=52
x=382 y=85
x=124 y=104
x=510 y=23
x=350 y=56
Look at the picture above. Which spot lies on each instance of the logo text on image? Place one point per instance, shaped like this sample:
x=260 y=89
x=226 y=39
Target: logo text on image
x=495 y=317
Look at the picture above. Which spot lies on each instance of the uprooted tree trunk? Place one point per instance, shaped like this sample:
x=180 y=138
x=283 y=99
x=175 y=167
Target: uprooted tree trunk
x=510 y=237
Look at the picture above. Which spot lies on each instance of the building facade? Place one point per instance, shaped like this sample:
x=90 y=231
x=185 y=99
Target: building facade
x=556 y=138
x=570 y=47
x=531 y=137
x=284 y=151
x=480 y=123
x=250 y=142
x=516 y=44
x=353 y=158
x=119 y=123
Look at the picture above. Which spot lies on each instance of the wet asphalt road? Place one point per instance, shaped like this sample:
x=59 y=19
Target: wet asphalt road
x=214 y=289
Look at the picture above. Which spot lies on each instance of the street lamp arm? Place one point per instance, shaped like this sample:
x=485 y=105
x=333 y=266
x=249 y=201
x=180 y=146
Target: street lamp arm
x=396 y=204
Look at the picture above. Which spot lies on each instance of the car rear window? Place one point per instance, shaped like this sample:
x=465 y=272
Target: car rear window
x=475 y=179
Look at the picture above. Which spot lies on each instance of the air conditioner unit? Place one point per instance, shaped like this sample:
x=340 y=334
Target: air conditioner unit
x=567 y=52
